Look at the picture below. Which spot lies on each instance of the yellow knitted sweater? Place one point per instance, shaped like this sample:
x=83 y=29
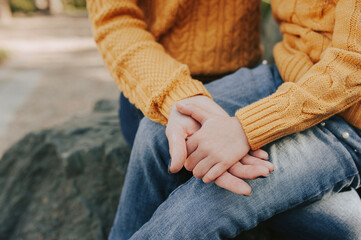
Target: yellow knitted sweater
x=152 y=47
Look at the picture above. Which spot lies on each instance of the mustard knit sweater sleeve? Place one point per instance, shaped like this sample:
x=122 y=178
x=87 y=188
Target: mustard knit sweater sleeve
x=144 y=72
x=330 y=86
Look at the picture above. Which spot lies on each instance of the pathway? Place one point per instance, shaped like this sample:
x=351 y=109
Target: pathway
x=53 y=74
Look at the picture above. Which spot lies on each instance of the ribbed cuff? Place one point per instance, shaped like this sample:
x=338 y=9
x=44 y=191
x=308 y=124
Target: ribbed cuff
x=262 y=121
x=291 y=66
x=181 y=91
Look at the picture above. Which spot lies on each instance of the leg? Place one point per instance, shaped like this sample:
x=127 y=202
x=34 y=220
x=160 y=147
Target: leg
x=152 y=140
x=147 y=182
x=336 y=217
x=310 y=165
x=317 y=211
x=129 y=118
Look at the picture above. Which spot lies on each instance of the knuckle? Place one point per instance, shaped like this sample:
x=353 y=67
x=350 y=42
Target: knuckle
x=221 y=158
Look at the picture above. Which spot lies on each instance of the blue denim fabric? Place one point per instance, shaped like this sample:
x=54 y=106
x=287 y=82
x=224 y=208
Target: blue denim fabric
x=129 y=119
x=311 y=168
x=336 y=217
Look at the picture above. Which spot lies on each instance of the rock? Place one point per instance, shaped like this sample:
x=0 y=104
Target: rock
x=105 y=106
x=64 y=183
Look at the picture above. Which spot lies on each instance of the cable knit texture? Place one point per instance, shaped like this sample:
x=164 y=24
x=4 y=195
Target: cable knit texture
x=152 y=47
x=320 y=62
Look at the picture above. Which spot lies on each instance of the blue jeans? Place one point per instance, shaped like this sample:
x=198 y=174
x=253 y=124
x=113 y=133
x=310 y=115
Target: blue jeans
x=129 y=119
x=301 y=197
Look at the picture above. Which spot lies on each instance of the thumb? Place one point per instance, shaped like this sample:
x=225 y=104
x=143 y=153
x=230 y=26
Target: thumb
x=178 y=152
x=194 y=111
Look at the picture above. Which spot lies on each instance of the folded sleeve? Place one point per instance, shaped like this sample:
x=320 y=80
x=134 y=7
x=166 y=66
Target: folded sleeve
x=148 y=76
x=328 y=87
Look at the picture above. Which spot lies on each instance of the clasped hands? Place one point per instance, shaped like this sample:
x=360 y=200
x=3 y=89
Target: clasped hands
x=207 y=141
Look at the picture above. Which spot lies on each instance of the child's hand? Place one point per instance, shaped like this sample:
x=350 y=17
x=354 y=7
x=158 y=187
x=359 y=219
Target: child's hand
x=217 y=147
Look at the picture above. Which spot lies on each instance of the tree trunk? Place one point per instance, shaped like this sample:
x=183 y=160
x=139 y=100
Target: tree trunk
x=5 y=12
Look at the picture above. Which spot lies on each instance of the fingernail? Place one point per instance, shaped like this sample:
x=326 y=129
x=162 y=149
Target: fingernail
x=265 y=175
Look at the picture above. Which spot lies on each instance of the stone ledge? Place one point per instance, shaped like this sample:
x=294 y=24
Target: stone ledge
x=64 y=183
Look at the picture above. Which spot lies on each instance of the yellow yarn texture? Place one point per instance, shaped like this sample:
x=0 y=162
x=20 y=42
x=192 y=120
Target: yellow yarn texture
x=152 y=49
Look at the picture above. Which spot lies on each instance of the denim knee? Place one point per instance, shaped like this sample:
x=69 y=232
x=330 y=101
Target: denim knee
x=334 y=217
x=150 y=139
x=196 y=210
x=150 y=131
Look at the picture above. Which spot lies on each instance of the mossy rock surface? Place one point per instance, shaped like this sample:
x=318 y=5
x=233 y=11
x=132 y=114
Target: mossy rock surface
x=65 y=182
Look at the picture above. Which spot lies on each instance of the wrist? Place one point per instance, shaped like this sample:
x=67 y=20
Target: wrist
x=182 y=90
x=193 y=99
x=242 y=133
